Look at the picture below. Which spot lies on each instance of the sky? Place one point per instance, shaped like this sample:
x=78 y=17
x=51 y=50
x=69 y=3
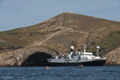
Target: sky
x=23 y=13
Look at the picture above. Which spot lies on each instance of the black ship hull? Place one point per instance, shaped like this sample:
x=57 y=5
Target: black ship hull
x=86 y=63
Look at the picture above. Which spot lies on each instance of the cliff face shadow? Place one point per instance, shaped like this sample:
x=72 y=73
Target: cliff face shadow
x=37 y=59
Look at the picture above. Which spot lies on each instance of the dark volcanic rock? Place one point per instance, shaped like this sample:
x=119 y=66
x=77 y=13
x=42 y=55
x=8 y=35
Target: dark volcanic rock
x=37 y=59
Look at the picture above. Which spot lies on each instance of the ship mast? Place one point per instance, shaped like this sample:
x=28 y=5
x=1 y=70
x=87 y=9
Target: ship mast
x=98 y=48
x=84 y=48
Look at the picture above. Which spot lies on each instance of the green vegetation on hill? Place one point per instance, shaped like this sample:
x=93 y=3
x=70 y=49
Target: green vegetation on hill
x=112 y=39
x=5 y=45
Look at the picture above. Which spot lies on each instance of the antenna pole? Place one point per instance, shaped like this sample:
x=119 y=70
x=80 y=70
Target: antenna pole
x=84 y=47
x=98 y=48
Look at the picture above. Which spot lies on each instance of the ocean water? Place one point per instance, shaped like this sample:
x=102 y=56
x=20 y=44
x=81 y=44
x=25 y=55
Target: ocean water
x=60 y=73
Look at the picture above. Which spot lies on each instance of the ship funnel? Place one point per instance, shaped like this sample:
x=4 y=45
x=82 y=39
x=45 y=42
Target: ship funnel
x=98 y=48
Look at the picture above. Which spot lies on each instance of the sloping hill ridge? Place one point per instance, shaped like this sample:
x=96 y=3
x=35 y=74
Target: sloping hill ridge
x=62 y=31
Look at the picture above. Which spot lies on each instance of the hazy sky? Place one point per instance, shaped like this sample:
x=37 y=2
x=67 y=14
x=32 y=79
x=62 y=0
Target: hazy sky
x=21 y=13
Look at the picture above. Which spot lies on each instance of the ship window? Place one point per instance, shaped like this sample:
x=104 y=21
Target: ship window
x=87 y=54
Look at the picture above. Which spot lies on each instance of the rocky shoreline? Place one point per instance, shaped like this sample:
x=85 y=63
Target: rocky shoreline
x=32 y=55
x=18 y=57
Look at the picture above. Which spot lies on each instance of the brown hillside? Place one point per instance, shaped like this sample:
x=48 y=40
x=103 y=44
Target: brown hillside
x=62 y=31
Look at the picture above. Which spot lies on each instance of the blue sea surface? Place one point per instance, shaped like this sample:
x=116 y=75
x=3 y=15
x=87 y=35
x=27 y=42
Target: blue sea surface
x=60 y=73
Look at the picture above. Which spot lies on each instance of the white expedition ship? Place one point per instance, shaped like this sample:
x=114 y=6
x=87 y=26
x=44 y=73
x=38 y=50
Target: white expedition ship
x=78 y=58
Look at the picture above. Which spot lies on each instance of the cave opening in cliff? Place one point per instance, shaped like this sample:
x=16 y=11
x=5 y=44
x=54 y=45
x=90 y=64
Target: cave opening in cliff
x=37 y=59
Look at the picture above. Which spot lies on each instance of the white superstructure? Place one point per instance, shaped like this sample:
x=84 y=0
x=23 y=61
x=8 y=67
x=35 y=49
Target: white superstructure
x=78 y=56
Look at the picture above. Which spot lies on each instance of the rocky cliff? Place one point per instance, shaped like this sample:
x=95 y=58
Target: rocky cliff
x=113 y=57
x=32 y=56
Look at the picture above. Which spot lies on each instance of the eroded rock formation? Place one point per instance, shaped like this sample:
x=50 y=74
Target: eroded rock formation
x=26 y=57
